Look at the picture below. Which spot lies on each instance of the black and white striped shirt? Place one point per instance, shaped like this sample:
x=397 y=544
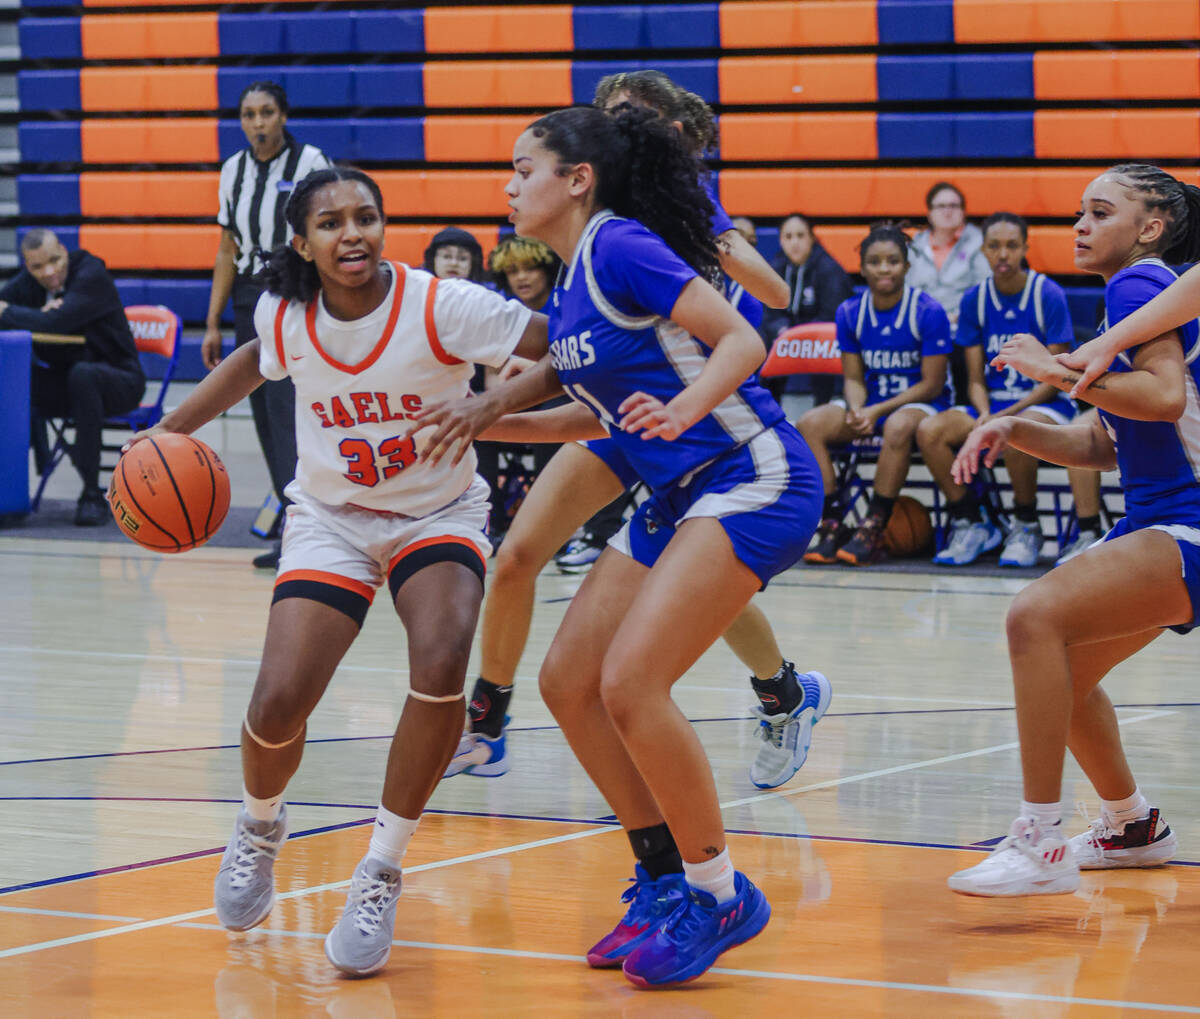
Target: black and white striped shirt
x=253 y=196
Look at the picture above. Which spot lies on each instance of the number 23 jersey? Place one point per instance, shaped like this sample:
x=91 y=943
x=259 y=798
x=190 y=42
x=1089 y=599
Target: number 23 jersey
x=360 y=383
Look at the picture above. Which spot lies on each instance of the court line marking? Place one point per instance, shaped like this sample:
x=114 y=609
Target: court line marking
x=520 y=847
x=31 y=911
x=913 y=766
x=168 y=921
x=809 y=978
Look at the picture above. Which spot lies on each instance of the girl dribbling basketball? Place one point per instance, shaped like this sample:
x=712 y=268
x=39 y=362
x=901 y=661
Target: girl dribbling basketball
x=367 y=344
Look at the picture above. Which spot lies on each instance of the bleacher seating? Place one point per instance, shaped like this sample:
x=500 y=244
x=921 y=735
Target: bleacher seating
x=845 y=109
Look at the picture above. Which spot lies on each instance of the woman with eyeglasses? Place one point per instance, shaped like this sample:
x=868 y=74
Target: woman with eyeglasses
x=947 y=259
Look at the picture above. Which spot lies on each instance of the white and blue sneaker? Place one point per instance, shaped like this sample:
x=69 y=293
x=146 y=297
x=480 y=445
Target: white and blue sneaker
x=479 y=755
x=786 y=736
x=578 y=556
x=1023 y=546
x=1080 y=545
x=969 y=539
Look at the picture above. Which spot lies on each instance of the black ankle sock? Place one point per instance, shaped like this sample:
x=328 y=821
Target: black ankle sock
x=781 y=693
x=1090 y=523
x=832 y=509
x=656 y=851
x=966 y=508
x=880 y=506
x=489 y=705
x=1026 y=514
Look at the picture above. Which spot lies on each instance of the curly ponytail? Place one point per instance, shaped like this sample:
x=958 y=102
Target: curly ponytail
x=671 y=101
x=1179 y=204
x=286 y=274
x=642 y=172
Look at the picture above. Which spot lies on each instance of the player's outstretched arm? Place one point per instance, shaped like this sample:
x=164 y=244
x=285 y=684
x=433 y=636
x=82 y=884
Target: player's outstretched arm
x=737 y=352
x=568 y=423
x=1178 y=304
x=1153 y=391
x=741 y=261
x=229 y=383
x=457 y=423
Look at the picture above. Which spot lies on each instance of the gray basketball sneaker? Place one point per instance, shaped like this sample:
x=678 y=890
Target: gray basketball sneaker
x=361 y=941
x=244 y=891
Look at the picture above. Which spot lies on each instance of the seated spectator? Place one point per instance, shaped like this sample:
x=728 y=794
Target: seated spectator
x=454 y=253
x=816 y=285
x=895 y=342
x=525 y=269
x=1015 y=299
x=946 y=259
x=61 y=292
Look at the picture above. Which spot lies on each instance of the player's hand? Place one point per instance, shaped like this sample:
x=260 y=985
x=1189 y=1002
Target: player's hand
x=513 y=367
x=647 y=414
x=992 y=437
x=860 y=422
x=138 y=436
x=1092 y=359
x=50 y=305
x=455 y=423
x=1026 y=354
x=210 y=347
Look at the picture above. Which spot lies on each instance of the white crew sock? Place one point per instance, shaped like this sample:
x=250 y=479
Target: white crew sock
x=1045 y=816
x=1118 y=813
x=261 y=810
x=714 y=876
x=390 y=836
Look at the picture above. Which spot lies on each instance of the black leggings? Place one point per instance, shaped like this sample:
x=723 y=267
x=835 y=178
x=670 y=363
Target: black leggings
x=87 y=392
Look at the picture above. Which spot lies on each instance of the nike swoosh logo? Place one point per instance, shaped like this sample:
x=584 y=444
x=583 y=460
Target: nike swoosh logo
x=297 y=357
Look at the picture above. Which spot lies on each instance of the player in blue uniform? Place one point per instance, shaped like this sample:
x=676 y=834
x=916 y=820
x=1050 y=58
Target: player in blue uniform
x=1070 y=627
x=1014 y=299
x=582 y=478
x=652 y=354
x=895 y=344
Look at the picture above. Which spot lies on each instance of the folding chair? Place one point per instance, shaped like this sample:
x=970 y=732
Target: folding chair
x=156 y=333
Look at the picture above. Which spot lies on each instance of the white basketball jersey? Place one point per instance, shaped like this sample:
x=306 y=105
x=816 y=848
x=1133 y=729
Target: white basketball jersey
x=359 y=383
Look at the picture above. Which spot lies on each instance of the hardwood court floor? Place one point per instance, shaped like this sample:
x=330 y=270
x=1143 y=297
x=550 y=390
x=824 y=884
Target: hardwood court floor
x=124 y=677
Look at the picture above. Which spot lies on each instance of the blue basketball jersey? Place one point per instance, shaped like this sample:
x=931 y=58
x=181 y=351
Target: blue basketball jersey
x=721 y=221
x=891 y=343
x=611 y=336
x=988 y=319
x=746 y=303
x=1159 y=460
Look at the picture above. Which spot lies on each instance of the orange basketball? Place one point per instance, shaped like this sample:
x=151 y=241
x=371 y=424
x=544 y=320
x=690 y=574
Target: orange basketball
x=169 y=493
x=909 y=529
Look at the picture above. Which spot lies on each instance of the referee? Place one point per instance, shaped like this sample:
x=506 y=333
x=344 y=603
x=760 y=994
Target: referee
x=254 y=189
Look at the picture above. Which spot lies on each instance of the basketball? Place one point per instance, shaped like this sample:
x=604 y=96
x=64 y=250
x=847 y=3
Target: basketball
x=169 y=493
x=909 y=529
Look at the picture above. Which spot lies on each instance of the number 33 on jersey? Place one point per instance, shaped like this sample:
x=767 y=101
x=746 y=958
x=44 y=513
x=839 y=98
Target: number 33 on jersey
x=359 y=383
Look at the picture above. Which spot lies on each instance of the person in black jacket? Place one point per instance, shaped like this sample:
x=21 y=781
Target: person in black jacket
x=61 y=292
x=817 y=285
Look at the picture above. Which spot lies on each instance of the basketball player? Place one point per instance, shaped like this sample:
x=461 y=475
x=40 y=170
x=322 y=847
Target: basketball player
x=582 y=478
x=367 y=344
x=1070 y=627
x=895 y=344
x=655 y=357
x=1014 y=299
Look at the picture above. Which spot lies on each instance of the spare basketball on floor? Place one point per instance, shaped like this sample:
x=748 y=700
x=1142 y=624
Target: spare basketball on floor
x=169 y=493
x=909 y=529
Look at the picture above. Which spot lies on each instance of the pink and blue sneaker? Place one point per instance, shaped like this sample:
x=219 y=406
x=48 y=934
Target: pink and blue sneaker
x=694 y=935
x=650 y=903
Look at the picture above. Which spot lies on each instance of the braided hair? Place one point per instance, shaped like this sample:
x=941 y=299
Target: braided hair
x=1178 y=202
x=642 y=172
x=655 y=90
x=286 y=273
x=276 y=92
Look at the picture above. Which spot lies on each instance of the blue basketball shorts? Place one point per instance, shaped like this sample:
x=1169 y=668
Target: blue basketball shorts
x=767 y=495
x=614 y=460
x=1188 y=540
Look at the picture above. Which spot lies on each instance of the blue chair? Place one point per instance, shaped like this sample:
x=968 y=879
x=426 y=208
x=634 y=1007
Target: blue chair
x=157 y=332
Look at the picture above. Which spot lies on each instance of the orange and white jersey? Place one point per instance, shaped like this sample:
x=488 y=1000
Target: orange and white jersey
x=359 y=383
